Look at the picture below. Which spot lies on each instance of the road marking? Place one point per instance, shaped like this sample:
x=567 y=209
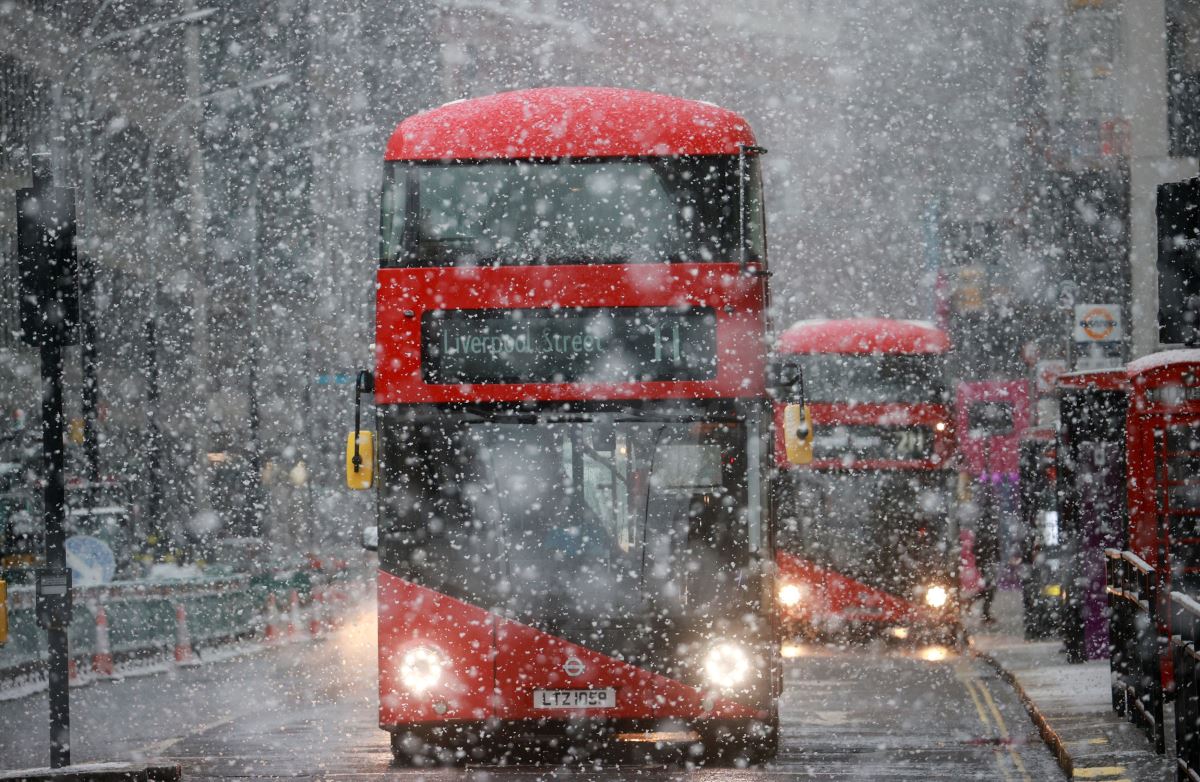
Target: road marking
x=973 y=684
x=160 y=747
x=961 y=673
x=987 y=694
x=1099 y=772
x=975 y=699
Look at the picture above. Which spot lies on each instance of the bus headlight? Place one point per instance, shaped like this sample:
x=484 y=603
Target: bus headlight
x=421 y=668
x=790 y=595
x=727 y=665
x=936 y=596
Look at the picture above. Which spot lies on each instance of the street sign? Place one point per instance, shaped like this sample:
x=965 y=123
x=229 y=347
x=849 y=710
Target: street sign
x=1097 y=323
x=341 y=378
x=90 y=560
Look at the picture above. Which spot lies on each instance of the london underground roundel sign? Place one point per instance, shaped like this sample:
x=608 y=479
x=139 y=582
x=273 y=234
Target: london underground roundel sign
x=1097 y=323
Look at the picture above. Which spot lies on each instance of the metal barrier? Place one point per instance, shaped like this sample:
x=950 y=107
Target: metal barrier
x=142 y=619
x=1185 y=634
x=1135 y=646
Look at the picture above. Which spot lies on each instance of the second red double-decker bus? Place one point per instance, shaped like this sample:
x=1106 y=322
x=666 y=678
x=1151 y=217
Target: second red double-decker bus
x=573 y=430
x=866 y=538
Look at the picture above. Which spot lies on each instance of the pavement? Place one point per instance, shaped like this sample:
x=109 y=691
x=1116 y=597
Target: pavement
x=1071 y=704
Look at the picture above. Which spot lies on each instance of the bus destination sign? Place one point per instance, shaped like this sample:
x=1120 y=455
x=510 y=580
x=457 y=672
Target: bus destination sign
x=866 y=443
x=589 y=345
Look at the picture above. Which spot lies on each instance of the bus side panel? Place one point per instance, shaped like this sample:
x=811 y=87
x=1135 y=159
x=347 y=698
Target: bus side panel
x=528 y=659
x=411 y=616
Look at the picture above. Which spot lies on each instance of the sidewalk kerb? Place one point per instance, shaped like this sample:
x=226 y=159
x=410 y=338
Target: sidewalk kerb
x=1049 y=735
x=151 y=771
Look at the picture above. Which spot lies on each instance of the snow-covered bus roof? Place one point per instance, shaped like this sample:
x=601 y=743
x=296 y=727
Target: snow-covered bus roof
x=862 y=336
x=555 y=122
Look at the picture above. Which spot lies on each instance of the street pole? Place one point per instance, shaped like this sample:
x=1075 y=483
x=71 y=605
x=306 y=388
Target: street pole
x=88 y=358
x=197 y=226
x=55 y=581
x=49 y=309
x=256 y=468
x=153 y=477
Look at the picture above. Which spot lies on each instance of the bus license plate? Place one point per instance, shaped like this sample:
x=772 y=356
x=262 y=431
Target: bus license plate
x=575 y=699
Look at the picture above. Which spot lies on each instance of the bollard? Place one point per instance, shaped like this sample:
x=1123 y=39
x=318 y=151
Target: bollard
x=315 y=611
x=183 y=638
x=272 y=635
x=293 y=624
x=339 y=609
x=102 y=661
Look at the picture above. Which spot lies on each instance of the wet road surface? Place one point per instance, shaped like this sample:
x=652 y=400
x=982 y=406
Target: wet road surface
x=307 y=711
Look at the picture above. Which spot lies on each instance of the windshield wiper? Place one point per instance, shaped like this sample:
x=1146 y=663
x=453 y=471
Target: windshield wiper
x=646 y=506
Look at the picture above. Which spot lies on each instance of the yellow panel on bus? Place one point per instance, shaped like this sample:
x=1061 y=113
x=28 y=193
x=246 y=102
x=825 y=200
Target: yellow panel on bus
x=360 y=465
x=798 y=434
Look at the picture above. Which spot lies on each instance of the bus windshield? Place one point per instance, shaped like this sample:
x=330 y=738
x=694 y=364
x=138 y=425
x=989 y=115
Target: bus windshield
x=874 y=378
x=564 y=523
x=569 y=211
x=884 y=528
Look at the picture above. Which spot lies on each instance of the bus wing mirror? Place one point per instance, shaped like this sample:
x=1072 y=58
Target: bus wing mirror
x=787 y=382
x=798 y=433
x=370 y=538
x=360 y=459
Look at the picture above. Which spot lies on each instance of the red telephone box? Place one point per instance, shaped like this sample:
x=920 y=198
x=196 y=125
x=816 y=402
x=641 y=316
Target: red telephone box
x=1163 y=445
x=1163 y=441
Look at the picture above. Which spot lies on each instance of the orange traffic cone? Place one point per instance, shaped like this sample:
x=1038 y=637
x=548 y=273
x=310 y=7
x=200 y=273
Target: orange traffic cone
x=183 y=638
x=102 y=661
x=293 y=623
x=271 y=634
x=339 y=597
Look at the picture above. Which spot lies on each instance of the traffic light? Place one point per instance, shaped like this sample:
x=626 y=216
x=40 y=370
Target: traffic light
x=46 y=263
x=1178 y=213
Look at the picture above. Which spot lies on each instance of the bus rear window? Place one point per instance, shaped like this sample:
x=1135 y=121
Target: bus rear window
x=989 y=419
x=573 y=211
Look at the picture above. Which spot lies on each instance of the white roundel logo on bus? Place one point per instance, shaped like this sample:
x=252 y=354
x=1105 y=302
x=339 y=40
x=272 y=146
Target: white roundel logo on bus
x=574 y=666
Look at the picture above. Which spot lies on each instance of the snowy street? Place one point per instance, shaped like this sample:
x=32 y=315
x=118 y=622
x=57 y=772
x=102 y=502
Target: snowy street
x=458 y=390
x=308 y=711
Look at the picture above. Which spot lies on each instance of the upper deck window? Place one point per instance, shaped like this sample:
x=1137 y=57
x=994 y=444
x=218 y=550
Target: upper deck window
x=874 y=378
x=502 y=213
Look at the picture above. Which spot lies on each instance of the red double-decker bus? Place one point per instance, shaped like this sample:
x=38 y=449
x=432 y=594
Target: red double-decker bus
x=866 y=538
x=573 y=428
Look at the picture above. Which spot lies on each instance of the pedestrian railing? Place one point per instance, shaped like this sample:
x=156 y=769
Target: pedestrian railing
x=1185 y=634
x=1135 y=646
x=131 y=624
